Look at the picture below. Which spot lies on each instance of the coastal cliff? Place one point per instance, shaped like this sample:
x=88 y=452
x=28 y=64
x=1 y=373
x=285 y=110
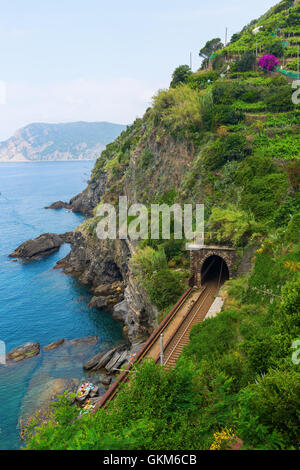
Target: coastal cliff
x=104 y=266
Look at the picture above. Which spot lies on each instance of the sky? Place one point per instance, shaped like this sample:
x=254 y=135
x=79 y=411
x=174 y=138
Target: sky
x=94 y=60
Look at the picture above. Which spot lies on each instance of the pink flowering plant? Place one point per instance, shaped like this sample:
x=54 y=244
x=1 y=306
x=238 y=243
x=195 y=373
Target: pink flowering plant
x=268 y=62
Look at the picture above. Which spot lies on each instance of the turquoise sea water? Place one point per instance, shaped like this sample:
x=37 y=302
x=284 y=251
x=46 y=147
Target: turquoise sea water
x=38 y=303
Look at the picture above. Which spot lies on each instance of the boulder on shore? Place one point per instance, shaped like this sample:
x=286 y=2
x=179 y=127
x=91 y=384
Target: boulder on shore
x=23 y=352
x=44 y=245
x=100 y=360
x=106 y=380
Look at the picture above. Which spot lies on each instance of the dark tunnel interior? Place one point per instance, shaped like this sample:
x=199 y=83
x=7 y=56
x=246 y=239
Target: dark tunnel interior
x=214 y=269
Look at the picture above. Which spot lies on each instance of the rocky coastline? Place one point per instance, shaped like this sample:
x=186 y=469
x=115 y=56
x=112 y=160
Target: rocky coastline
x=103 y=266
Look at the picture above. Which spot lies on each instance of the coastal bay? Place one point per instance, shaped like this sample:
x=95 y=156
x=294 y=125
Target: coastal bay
x=38 y=303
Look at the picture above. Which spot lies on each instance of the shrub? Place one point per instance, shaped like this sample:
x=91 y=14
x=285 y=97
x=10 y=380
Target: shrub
x=223 y=93
x=262 y=194
x=294 y=174
x=201 y=79
x=178 y=109
x=227 y=148
x=213 y=337
x=279 y=99
x=164 y=287
x=146 y=157
x=225 y=114
x=148 y=260
x=293 y=229
x=268 y=62
x=269 y=411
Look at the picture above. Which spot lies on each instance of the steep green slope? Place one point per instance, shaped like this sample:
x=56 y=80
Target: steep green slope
x=232 y=143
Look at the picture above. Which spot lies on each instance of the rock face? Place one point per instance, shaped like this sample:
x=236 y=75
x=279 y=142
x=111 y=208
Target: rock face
x=107 y=295
x=43 y=245
x=23 y=352
x=99 y=263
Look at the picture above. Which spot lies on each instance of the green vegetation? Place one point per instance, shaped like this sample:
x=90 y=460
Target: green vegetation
x=231 y=141
x=180 y=75
x=235 y=373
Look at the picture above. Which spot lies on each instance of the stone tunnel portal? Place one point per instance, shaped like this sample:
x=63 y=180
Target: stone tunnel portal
x=211 y=263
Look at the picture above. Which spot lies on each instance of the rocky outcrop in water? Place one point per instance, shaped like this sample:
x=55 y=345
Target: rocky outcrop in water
x=44 y=245
x=84 y=340
x=54 y=345
x=87 y=200
x=23 y=352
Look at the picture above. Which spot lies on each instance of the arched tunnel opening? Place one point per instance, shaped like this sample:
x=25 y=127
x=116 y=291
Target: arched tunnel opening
x=214 y=269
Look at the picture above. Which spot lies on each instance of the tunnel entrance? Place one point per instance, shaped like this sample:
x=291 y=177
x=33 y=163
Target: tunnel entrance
x=214 y=269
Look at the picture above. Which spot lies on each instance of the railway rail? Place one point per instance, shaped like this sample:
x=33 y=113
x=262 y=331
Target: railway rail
x=191 y=308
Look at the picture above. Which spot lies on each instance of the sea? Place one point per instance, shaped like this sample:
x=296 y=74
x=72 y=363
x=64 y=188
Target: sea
x=37 y=302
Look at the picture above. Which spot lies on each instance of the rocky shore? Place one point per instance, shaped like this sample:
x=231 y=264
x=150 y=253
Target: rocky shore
x=103 y=265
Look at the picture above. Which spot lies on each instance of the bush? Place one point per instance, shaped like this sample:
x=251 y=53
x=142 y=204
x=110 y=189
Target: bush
x=225 y=114
x=212 y=338
x=232 y=225
x=223 y=93
x=263 y=194
x=269 y=411
x=146 y=158
x=178 y=109
x=293 y=228
x=164 y=287
x=275 y=48
x=279 y=99
x=268 y=62
x=152 y=411
x=201 y=79
x=227 y=148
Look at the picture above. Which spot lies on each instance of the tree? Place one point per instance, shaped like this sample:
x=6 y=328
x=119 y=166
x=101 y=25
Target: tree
x=180 y=75
x=235 y=37
x=210 y=47
x=246 y=62
x=275 y=48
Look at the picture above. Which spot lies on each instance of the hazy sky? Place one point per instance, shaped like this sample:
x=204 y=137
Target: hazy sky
x=94 y=60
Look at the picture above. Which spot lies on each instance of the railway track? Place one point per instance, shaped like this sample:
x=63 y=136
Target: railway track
x=191 y=308
x=181 y=336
